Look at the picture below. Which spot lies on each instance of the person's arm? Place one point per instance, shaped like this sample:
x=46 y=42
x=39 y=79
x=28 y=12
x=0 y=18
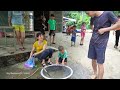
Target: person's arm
x=57 y=61
x=77 y=31
x=58 y=58
x=63 y=61
x=113 y=20
x=65 y=56
x=85 y=29
x=113 y=27
x=32 y=51
x=44 y=47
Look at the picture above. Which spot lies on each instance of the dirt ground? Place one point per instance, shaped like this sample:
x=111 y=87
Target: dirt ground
x=77 y=60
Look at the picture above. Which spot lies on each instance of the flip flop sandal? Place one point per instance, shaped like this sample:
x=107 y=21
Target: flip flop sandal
x=53 y=43
x=43 y=64
x=22 y=49
x=50 y=63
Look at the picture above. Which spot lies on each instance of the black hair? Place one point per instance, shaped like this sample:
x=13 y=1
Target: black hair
x=60 y=48
x=83 y=23
x=38 y=34
x=74 y=26
x=52 y=15
x=118 y=16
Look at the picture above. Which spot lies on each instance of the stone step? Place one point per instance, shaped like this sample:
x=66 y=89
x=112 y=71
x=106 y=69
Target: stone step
x=13 y=57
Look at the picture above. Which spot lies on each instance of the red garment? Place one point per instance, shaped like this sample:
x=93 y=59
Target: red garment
x=82 y=34
x=83 y=28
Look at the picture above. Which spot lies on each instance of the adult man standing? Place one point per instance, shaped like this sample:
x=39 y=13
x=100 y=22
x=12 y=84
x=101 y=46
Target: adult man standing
x=15 y=19
x=102 y=21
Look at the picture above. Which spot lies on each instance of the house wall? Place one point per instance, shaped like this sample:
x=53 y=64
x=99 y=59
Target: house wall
x=58 y=17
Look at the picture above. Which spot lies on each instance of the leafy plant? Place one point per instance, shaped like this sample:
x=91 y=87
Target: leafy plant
x=80 y=17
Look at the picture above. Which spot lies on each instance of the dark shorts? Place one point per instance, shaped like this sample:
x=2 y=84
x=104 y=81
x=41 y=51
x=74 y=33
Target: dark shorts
x=52 y=32
x=73 y=39
x=97 y=52
x=45 y=54
x=60 y=60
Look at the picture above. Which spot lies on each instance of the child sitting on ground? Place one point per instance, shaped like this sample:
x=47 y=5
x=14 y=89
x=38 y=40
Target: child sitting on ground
x=62 y=56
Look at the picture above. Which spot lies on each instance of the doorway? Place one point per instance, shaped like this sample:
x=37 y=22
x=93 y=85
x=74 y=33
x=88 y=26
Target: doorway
x=37 y=15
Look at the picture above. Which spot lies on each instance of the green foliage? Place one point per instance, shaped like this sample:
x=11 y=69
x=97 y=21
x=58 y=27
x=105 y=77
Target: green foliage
x=80 y=17
x=116 y=13
x=69 y=23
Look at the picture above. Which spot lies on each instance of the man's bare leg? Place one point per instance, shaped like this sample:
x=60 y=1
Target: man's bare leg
x=100 y=71
x=94 y=66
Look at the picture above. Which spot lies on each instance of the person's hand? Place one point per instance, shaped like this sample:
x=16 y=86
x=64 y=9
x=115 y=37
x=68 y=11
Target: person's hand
x=35 y=54
x=84 y=30
x=102 y=30
x=30 y=56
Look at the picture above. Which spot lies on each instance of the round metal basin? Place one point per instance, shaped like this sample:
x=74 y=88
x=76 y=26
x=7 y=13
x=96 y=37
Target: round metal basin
x=56 y=72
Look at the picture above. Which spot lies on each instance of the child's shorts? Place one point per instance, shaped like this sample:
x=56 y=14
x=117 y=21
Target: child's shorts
x=52 y=32
x=60 y=60
x=97 y=52
x=45 y=54
x=73 y=39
